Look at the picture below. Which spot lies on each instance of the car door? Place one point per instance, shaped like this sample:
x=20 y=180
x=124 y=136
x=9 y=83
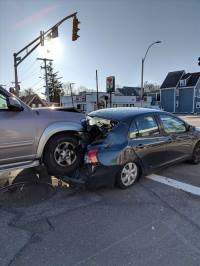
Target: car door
x=17 y=133
x=180 y=139
x=147 y=141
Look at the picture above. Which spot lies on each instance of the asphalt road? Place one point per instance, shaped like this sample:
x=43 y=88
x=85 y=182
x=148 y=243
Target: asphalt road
x=148 y=224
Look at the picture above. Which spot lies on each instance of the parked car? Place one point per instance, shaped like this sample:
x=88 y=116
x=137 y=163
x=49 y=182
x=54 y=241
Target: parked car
x=135 y=141
x=32 y=136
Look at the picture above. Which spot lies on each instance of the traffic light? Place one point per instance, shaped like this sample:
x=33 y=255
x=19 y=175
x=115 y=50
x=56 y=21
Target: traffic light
x=75 y=29
x=199 y=61
x=54 y=32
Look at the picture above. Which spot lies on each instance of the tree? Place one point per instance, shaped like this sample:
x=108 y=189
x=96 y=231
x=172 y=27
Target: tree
x=27 y=92
x=76 y=91
x=151 y=87
x=66 y=88
x=54 y=85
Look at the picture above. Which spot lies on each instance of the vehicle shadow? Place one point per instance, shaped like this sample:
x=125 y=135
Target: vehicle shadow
x=28 y=187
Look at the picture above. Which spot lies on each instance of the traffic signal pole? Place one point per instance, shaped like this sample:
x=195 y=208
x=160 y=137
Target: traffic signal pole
x=16 y=77
x=18 y=58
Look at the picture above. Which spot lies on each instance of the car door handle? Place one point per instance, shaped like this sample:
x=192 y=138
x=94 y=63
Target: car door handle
x=140 y=146
x=169 y=140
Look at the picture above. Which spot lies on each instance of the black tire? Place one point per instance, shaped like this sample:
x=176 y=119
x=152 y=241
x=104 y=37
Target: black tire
x=120 y=179
x=51 y=158
x=196 y=154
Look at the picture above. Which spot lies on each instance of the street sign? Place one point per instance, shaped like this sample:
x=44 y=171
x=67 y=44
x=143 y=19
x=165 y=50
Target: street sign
x=110 y=84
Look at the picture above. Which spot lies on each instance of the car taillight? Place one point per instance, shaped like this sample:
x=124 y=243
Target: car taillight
x=92 y=157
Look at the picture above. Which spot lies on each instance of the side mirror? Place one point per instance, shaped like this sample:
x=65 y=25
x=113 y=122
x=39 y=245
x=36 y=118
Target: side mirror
x=190 y=127
x=14 y=104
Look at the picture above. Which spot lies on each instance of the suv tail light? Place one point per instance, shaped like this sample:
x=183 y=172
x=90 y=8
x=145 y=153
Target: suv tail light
x=91 y=157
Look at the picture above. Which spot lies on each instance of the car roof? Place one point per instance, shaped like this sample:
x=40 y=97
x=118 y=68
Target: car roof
x=122 y=113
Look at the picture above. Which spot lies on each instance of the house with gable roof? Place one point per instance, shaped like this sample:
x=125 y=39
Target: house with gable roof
x=180 y=92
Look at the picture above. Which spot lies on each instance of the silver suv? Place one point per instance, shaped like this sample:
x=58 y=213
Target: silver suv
x=31 y=136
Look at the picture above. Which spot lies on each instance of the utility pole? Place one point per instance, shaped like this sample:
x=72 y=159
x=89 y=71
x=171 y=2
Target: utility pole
x=70 y=86
x=45 y=60
x=51 y=33
x=97 y=86
x=142 y=82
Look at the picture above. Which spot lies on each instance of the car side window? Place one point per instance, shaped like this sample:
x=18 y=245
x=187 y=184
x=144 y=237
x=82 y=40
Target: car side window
x=133 y=132
x=172 y=124
x=147 y=126
x=3 y=102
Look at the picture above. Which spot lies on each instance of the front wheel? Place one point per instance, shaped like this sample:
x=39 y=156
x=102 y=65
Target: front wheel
x=196 y=154
x=61 y=156
x=128 y=175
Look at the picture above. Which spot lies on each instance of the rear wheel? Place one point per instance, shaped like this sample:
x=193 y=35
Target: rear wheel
x=196 y=154
x=128 y=175
x=61 y=156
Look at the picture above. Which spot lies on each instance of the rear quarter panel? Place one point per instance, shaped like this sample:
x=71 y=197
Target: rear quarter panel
x=114 y=150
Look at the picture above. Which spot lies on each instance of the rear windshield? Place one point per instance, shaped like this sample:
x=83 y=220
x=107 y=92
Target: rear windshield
x=102 y=122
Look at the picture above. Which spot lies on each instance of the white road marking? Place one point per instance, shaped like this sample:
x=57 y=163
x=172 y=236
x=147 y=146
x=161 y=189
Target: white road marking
x=176 y=184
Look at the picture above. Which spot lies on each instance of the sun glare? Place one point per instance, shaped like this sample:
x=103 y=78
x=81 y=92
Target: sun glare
x=52 y=49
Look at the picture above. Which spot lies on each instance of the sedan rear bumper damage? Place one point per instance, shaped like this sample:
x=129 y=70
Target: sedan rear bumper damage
x=93 y=176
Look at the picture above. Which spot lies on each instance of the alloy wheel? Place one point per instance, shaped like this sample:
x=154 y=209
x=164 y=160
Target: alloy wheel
x=64 y=154
x=129 y=174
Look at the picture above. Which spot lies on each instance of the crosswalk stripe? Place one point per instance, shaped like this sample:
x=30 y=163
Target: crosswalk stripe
x=176 y=184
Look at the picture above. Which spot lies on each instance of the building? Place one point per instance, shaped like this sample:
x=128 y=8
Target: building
x=180 y=92
x=87 y=101
x=155 y=96
x=136 y=91
x=129 y=91
x=33 y=100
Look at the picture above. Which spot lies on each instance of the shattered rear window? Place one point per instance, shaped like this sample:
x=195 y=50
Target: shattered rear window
x=102 y=122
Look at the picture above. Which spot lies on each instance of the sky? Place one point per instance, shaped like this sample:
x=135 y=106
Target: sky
x=114 y=35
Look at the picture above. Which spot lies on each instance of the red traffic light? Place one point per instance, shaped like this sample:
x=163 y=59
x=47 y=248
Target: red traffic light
x=75 y=29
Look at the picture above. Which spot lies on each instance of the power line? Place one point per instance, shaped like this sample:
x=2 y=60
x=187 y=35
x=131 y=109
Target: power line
x=30 y=74
x=28 y=68
x=36 y=83
x=39 y=88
